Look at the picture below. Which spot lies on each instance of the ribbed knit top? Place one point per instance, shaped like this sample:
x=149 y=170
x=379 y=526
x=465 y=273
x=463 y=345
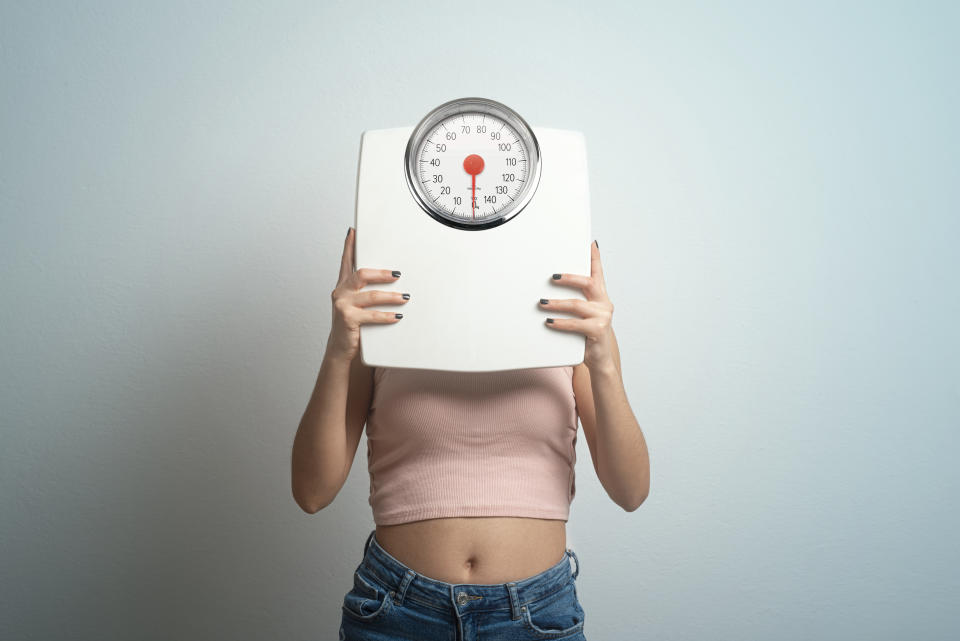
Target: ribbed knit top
x=454 y=444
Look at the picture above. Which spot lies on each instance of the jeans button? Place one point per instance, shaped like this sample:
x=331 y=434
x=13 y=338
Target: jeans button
x=461 y=598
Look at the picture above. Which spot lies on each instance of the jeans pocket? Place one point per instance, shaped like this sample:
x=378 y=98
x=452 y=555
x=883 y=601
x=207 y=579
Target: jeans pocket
x=368 y=600
x=557 y=615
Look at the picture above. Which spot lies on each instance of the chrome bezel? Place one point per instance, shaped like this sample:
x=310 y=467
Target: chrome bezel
x=461 y=105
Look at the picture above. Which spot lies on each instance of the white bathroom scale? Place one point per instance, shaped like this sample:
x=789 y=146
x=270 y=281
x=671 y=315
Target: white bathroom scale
x=477 y=210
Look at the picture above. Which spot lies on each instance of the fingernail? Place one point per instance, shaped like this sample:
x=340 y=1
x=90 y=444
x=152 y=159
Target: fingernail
x=549 y=320
x=556 y=277
x=406 y=297
x=398 y=315
x=544 y=301
x=395 y=273
x=596 y=243
x=348 y=232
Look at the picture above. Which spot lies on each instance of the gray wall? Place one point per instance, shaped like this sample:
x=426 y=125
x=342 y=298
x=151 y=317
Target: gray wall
x=775 y=193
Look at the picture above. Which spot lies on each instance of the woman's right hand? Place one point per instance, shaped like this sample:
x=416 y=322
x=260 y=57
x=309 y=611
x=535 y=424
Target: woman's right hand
x=349 y=302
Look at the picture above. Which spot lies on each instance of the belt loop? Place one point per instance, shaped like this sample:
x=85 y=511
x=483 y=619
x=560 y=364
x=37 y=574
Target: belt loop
x=573 y=555
x=514 y=601
x=401 y=590
x=366 y=545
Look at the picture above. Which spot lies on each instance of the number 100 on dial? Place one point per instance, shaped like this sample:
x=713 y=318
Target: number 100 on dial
x=472 y=163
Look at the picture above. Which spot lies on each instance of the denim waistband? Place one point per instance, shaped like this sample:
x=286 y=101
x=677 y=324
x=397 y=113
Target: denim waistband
x=405 y=582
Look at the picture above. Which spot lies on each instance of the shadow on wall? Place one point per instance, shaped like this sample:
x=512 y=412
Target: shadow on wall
x=163 y=506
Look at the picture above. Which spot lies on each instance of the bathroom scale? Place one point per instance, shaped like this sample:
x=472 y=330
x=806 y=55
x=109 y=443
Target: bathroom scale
x=477 y=210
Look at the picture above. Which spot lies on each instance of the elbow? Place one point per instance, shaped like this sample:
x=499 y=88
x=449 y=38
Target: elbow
x=310 y=492
x=630 y=507
x=310 y=508
x=642 y=491
x=311 y=504
x=637 y=500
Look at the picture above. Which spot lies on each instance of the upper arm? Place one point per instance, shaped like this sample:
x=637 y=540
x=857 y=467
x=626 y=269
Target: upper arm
x=358 y=405
x=586 y=409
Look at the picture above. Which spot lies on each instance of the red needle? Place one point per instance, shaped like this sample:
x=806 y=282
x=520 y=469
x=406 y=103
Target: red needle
x=473 y=165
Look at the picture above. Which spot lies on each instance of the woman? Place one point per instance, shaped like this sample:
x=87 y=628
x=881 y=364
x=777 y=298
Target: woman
x=470 y=488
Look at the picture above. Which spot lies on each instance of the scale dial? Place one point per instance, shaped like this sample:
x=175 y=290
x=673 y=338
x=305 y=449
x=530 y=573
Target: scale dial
x=472 y=163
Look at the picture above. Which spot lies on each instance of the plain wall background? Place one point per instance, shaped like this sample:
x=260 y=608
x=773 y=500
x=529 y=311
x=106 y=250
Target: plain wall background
x=775 y=194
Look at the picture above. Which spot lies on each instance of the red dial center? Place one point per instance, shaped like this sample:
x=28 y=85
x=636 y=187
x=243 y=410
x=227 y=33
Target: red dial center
x=473 y=164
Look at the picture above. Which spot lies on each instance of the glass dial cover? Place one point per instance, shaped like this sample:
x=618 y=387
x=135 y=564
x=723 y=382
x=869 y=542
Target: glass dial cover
x=472 y=163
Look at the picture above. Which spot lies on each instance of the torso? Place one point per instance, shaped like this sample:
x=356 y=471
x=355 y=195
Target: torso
x=476 y=549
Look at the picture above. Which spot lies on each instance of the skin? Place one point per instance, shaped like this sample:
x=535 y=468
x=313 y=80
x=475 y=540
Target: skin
x=473 y=549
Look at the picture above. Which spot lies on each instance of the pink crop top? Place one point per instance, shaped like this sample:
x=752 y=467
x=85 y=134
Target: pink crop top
x=450 y=444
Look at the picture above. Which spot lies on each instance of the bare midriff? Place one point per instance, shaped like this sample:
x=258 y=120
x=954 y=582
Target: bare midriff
x=476 y=549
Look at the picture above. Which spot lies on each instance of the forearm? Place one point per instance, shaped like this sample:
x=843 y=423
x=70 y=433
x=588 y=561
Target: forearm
x=319 y=448
x=622 y=459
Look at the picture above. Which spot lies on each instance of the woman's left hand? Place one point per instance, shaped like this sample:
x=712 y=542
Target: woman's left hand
x=596 y=313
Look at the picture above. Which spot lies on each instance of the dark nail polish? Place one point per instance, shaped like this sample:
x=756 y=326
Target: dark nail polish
x=395 y=273
x=556 y=277
x=398 y=315
x=544 y=301
x=549 y=320
x=406 y=297
x=596 y=243
x=348 y=232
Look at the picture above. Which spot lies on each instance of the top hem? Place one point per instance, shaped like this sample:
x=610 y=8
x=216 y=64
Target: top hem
x=436 y=513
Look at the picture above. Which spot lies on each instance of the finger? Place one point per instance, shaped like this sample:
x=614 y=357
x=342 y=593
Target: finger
x=596 y=269
x=346 y=261
x=576 y=325
x=366 y=275
x=572 y=305
x=586 y=284
x=372 y=316
x=379 y=297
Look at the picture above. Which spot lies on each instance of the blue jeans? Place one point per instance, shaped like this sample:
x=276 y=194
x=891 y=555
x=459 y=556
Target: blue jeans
x=391 y=601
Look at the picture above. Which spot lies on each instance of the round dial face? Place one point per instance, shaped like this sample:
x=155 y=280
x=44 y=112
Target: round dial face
x=472 y=163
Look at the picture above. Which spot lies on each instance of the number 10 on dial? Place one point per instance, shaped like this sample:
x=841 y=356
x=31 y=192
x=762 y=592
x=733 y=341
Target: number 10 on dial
x=472 y=163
